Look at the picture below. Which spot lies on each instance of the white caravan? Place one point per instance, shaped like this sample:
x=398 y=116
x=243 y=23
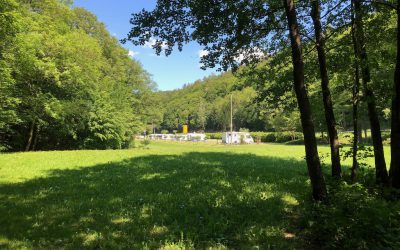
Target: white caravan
x=237 y=138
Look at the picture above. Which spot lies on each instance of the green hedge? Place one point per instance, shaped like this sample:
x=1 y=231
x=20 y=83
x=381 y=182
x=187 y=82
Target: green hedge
x=296 y=138
x=266 y=136
x=217 y=135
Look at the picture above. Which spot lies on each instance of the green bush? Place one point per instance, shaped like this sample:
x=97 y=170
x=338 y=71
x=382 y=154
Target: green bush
x=285 y=136
x=264 y=136
x=354 y=218
x=346 y=138
x=217 y=135
x=145 y=143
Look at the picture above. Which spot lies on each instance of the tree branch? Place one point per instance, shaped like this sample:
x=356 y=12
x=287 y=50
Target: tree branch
x=384 y=3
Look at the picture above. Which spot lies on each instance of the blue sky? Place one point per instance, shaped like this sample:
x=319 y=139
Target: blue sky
x=168 y=72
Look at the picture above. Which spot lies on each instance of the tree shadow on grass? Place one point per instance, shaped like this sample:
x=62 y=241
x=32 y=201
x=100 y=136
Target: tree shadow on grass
x=195 y=199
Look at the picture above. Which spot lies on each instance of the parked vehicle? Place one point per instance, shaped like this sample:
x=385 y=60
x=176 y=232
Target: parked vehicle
x=237 y=138
x=178 y=137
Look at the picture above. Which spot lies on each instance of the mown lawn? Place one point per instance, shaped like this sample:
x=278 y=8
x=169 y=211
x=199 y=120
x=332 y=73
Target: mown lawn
x=168 y=196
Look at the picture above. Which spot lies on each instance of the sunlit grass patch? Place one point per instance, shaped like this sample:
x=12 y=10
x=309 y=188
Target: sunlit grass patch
x=167 y=197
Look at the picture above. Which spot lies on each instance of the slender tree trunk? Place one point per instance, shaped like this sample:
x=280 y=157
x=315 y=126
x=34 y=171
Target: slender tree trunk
x=356 y=91
x=395 y=133
x=326 y=93
x=36 y=138
x=313 y=162
x=30 y=136
x=380 y=164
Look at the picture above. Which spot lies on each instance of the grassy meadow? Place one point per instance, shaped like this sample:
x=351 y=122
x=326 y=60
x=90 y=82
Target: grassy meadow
x=168 y=196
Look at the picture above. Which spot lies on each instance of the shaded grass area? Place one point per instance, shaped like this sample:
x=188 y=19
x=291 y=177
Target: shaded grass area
x=210 y=198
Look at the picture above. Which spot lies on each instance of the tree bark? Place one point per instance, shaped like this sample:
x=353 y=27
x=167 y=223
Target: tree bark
x=313 y=162
x=395 y=133
x=380 y=164
x=30 y=136
x=36 y=139
x=356 y=91
x=326 y=93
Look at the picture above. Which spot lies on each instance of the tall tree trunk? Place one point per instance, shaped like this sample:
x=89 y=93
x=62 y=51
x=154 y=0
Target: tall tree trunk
x=35 y=140
x=313 y=163
x=395 y=133
x=30 y=136
x=356 y=90
x=380 y=164
x=326 y=93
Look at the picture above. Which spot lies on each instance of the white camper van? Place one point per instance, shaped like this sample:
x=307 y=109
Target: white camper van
x=237 y=138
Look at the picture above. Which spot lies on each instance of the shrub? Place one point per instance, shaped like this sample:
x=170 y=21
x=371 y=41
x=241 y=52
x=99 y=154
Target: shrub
x=284 y=137
x=145 y=143
x=217 y=135
x=354 y=218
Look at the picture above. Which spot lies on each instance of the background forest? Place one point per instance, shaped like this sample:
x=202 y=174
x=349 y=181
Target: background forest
x=66 y=83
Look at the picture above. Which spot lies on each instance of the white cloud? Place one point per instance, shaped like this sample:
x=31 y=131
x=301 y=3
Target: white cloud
x=255 y=53
x=152 y=42
x=202 y=53
x=132 y=53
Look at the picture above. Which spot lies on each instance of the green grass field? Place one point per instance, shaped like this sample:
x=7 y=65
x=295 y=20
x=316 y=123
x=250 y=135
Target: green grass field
x=168 y=196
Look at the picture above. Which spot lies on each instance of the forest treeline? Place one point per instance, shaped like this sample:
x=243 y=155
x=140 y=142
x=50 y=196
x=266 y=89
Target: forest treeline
x=66 y=82
x=266 y=101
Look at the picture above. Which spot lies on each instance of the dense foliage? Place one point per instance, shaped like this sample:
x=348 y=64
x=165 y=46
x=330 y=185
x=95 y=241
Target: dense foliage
x=263 y=98
x=66 y=83
x=355 y=218
x=206 y=105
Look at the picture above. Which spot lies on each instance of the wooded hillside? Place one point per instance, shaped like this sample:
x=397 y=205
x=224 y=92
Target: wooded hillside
x=66 y=83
